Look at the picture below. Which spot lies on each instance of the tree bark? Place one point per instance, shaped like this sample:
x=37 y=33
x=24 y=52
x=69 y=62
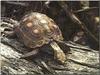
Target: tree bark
x=79 y=61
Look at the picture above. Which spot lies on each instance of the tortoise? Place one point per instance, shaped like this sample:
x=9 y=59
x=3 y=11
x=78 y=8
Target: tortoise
x=35 y=30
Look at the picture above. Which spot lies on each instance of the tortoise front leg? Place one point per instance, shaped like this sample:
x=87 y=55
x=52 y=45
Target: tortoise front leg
x=58 y=52
x=33 y=52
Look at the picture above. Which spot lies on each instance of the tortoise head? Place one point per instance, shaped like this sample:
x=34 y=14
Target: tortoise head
x=37 y=29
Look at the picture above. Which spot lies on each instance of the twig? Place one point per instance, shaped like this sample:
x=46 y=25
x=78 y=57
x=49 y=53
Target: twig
x=75 y=19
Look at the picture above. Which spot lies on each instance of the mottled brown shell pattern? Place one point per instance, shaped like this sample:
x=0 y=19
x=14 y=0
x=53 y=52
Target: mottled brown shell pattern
x=37 y=29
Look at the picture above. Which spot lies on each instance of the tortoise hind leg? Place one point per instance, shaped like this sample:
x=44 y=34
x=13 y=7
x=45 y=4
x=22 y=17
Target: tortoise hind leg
x=33 y=52
x=7 y=30
x=9 y=34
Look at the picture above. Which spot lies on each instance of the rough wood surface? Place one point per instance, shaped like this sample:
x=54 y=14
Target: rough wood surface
x=79 y=61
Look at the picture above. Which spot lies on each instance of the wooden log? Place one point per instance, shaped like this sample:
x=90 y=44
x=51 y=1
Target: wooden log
x=79 y=61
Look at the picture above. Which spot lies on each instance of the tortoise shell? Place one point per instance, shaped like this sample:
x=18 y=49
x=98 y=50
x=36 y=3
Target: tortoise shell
x=37 y=29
